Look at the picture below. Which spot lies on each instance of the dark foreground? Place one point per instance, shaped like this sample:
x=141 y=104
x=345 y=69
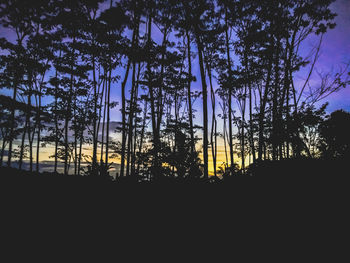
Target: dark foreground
x=303 y=169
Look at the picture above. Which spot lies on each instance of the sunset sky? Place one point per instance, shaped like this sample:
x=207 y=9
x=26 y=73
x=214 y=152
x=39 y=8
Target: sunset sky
x=335 y=52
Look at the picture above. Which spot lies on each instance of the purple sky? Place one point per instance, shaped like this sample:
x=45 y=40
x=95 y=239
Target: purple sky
x=334 y=52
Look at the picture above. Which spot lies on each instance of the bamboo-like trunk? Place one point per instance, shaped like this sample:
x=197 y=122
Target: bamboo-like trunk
x=94 y=131
x=152 y=100
x=76 y=133
x=12 y=125
x=31 y=140
x=122 y=157
x=243 y=141
x=80 y=150
x=132 y=105
x=213 y=135
x=68 y=113
x=205 y=105
x=160 y=104
x=108 y=116
x=225 y=132
x=131 y=116
x=105 y=88
x=230 y=139
x=2 y=151
x=38 y=135
x=25 y=130
x=66 y=122
x=22 y=146
x=275 y=120
x=189 y=100
x=142 y=135
x=263 y=102
x=251 y=135
x=39 y=120
x=56 y=126
x=133 y=156
x=108 y=108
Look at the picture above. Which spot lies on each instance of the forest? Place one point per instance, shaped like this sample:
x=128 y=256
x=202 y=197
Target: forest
x=111 y=88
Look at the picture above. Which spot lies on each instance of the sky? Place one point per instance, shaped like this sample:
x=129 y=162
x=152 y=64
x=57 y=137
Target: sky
x=335 y=52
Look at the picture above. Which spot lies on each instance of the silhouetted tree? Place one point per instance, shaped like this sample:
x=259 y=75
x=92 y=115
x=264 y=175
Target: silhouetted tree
x=334 y=135
x=63 y=66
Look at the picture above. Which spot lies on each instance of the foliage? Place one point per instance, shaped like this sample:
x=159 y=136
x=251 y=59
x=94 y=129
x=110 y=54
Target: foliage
x=66 y=60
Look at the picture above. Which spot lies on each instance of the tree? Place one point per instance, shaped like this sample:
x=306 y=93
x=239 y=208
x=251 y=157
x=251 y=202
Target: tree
x=198 y=13
x=18 y=17
x=334 y=135
x=64 y=65
x=134 y=10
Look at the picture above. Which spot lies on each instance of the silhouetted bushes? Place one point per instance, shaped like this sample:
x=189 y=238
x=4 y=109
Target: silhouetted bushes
x=299 y=169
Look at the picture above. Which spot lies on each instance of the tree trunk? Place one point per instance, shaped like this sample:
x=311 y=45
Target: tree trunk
x=122 y=158
x=105 y=91
x=153 y=113
x=27 y=127
x=160 y=106
x=224 y=131
x=108 y=116
x=39 y=120
x=132 y=105
x=95 y=132
x=56 y=127
x=131 y=116
x=2 y=151
x=68 y=114
x=189 y=100
x=213 y=134
x=141 y=136
x=22 y=146
x=205 y=105
x=133 y=156
x=243 y=141
x=230 y=142
x=76 y=133
x=12 y=125
x=31 y=140
x=80 y=151
x=38 y=138
x=263 y=102
x=251 y=135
